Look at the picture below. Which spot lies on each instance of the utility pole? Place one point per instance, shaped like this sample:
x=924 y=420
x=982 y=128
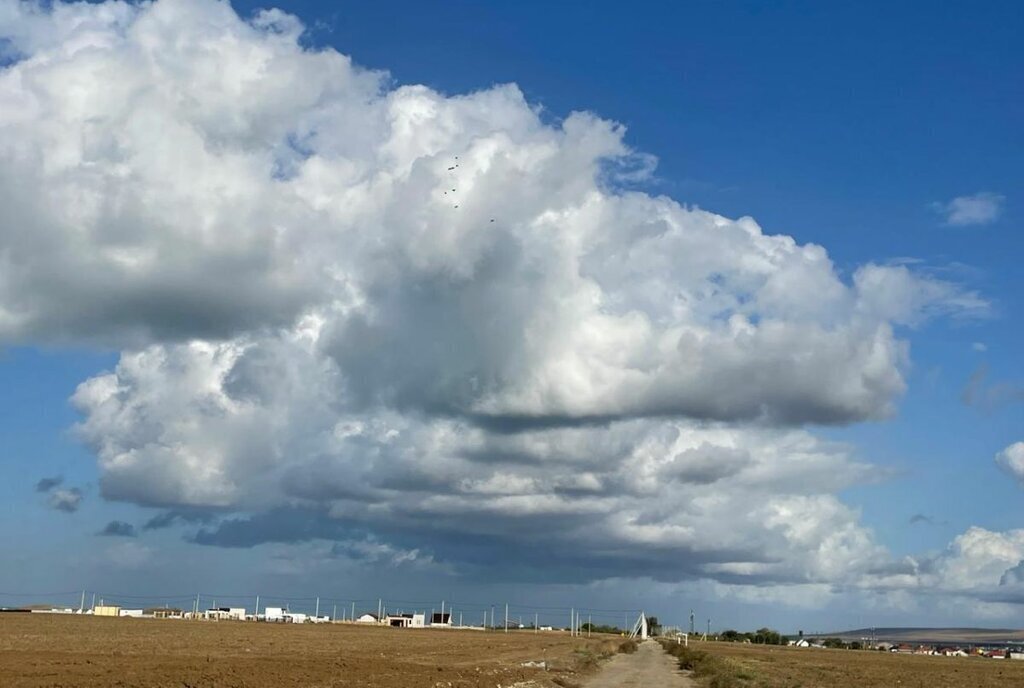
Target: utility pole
x=506 y=617
x=353 y=610
x=379 y=603
x=334 y=614
x=492 y=616
x=536 y=627
x=708 y=634
x=691 y=622
x=316 y=614
x=460 y=619
x=81 y=606
x=93 y=602
x=590 y=626
x=572 y=620
x=257 y=605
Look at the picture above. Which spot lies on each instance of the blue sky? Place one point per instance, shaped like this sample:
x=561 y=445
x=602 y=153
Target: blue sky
x=850 y=127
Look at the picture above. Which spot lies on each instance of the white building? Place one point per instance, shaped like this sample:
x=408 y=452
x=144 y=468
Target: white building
x=406 y=620
x=226 y=613
x=274 y=614
x=368 y=618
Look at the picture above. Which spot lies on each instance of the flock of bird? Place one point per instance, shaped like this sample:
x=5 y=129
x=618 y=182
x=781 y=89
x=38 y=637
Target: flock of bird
x=452 y=170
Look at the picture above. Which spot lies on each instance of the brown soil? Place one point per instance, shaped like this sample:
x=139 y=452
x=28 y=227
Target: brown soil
x=51 y=651
x=784 y=667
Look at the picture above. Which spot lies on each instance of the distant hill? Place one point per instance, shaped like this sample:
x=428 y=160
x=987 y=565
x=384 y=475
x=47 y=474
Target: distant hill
x=933 y=635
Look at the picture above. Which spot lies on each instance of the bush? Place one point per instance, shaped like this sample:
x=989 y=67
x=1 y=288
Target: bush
x=715 y=672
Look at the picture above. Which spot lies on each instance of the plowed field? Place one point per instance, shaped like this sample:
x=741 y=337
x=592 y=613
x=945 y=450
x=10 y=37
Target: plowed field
x=38 y=650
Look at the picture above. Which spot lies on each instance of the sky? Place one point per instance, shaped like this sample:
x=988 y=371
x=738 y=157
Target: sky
x=706 y=306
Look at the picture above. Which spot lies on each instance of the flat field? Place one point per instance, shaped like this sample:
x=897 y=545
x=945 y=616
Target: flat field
x=786 y=667
x=42 y=650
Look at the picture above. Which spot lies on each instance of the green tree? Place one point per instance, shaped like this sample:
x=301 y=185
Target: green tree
x=653 y=627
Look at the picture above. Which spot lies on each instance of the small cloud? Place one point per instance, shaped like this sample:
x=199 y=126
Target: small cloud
x=1011 y=460
x=979 y=392
x=118 y=529
x=980 y=347
x=67 y=500
x=978 y=209
x=47 y=484
x=927 y=520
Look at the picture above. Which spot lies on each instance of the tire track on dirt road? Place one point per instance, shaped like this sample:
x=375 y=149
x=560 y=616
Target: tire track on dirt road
x=649 y=667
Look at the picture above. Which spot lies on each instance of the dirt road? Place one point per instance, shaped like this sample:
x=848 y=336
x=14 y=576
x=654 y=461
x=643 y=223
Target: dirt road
x=649 y=667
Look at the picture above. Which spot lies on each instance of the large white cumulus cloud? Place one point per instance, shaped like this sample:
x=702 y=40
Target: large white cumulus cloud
x=172 y=172
x=400 y=307
x=264 y=425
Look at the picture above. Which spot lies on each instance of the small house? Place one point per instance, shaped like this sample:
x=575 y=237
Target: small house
x=406 y=620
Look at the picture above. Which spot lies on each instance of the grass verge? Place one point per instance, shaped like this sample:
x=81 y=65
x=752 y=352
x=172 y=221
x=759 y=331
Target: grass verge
x=711 y=671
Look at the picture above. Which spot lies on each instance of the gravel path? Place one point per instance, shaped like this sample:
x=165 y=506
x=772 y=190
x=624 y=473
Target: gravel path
x=649 y=667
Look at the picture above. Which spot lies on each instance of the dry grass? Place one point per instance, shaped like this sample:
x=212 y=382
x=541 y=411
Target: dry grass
x=50 y=651
x=758 y=666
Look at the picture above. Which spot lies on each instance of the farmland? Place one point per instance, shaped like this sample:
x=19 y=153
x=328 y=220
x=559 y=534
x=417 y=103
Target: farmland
x=38 y=651
x=761 y=666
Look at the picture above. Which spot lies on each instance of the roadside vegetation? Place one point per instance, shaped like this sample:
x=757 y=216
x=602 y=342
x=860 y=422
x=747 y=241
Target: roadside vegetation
x=711 y=670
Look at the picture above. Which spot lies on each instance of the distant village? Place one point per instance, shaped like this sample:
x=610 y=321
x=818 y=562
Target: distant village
x=444 y=619
x=990 y=651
